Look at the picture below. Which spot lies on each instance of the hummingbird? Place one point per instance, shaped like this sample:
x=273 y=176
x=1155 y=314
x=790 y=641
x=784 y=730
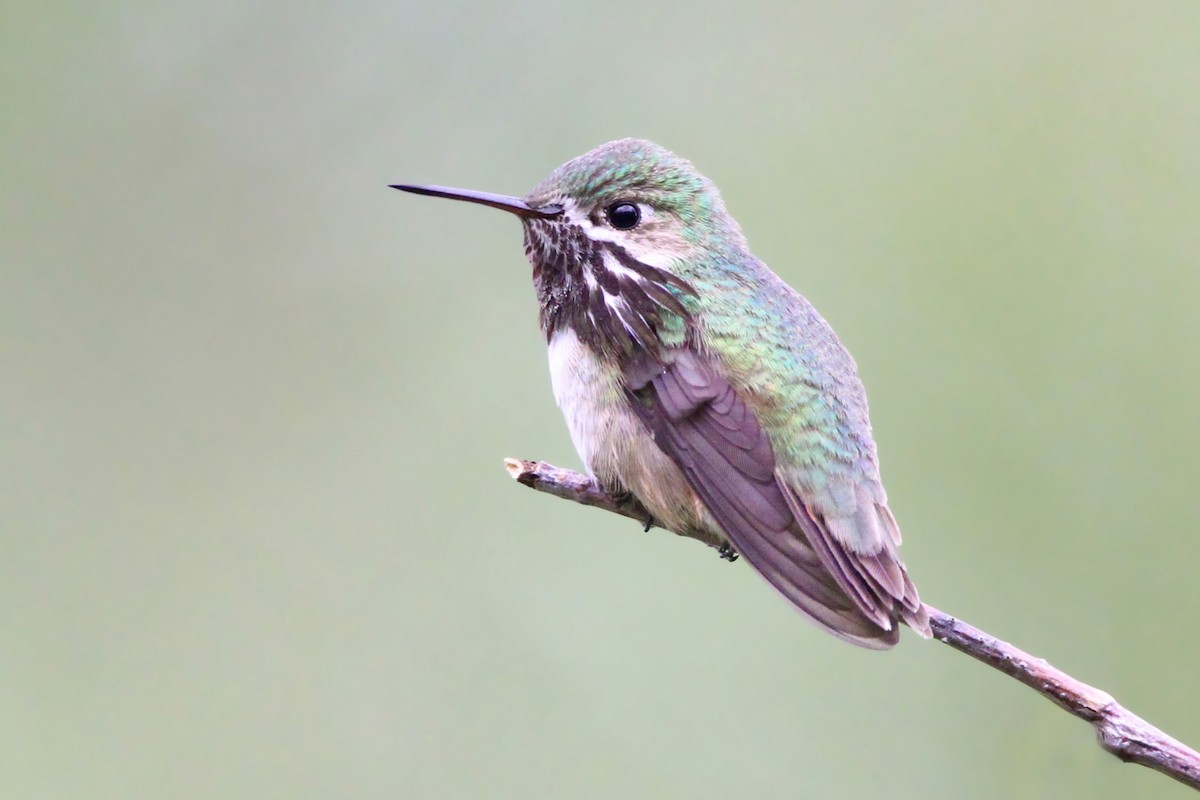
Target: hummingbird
x=691 y=376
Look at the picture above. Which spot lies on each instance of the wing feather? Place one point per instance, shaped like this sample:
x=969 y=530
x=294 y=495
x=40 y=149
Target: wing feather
x=701 y=422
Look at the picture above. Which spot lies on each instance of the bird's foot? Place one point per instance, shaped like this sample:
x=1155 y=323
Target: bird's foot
x=728 y=553
x=622 y=497
x=627 y=497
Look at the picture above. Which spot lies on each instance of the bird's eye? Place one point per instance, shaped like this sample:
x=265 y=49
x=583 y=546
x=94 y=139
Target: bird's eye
x=623 y=216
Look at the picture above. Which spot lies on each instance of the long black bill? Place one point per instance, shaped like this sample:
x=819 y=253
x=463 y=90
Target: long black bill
x=513 y=205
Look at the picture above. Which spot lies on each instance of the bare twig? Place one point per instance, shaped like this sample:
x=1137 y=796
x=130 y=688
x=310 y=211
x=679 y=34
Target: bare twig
x=1120 y=732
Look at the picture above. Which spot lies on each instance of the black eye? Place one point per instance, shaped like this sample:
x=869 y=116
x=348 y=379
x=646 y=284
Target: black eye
x=623 y=216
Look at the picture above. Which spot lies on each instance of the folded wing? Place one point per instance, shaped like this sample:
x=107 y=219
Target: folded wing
x=699 y=420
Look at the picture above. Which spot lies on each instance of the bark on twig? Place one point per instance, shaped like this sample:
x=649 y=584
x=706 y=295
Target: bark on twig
x=1120 y=732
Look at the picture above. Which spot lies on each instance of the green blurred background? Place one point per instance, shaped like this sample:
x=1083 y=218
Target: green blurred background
x=255 y=536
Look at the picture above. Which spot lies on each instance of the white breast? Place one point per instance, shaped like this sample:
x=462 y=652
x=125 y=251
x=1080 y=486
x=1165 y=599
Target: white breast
x=614 y=445
x=579 y=383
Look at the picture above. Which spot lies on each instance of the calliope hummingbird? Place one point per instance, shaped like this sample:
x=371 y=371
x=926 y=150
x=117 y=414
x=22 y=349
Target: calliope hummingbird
x=693 y=377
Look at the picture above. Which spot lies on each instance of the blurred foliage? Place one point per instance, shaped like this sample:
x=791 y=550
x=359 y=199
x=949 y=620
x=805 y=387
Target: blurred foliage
x=256 y=537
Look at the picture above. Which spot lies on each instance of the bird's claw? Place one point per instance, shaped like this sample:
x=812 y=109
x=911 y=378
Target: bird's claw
x=627 y=497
